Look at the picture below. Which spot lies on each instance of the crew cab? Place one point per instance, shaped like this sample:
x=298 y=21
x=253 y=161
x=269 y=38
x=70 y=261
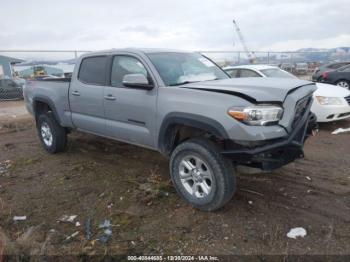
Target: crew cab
x=182 y=105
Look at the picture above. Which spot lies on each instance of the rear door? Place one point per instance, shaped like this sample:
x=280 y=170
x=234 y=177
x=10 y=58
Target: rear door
x=130 y=112
x=86 y=95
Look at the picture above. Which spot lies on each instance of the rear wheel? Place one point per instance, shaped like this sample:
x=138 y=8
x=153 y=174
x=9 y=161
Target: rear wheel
x=343 y=83
x=201 y=175
x=52 y=135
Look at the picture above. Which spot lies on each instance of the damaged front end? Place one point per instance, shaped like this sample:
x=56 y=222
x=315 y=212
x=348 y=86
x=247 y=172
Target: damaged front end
x=272 y=154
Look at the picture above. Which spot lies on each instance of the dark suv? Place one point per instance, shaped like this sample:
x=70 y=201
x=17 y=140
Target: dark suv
x=10 y=90
x=340 y=77
x=317 y=75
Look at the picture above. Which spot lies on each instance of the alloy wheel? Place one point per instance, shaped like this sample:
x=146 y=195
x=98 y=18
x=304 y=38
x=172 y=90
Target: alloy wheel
x=46 y=134
x=343 y=84
x=196 y=176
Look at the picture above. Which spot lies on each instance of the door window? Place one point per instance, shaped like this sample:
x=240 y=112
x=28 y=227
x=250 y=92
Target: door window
x=345 y=69
x=123 y=65
x=93 y=70
x=337 y=65
x=8 y=83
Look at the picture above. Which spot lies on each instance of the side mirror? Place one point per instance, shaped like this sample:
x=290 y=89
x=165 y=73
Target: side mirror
x=137 y=81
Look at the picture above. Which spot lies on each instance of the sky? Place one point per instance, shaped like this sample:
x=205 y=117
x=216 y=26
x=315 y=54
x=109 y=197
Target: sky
x=274 y=25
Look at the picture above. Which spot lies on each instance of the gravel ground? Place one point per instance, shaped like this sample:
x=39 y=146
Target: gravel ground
x=98 y=179
x=13 y=110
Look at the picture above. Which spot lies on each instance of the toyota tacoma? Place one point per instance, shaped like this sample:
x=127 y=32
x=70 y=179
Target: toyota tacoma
x=182 y=105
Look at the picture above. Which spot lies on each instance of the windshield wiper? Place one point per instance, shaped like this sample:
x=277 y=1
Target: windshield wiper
x=183 y=83
x=189 y=82
x=213 y=79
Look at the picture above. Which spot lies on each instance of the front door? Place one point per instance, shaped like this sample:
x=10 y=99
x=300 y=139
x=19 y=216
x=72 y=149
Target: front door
x=86 y=95
x=130 y=112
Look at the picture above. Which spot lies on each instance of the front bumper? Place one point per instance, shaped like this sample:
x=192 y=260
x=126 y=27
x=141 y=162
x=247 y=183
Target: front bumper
x=278 y=152
x=328 y=113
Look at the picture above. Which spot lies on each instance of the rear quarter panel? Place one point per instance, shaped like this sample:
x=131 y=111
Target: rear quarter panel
x=54 y=93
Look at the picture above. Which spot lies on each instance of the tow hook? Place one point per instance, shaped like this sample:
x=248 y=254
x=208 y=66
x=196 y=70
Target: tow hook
x=312 y=125
x=314 y=131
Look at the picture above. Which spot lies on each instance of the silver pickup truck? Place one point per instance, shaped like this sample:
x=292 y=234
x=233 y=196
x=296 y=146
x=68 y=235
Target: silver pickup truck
x=182 y=105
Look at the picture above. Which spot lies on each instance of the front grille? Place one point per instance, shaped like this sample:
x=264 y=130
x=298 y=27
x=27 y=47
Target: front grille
x=300 y=109
x=347 y=99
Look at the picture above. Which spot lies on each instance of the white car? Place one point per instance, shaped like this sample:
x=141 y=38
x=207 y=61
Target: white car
x=330 y=102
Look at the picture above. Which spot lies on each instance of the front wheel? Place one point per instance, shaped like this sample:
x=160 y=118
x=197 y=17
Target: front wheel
x=201 y=175
x=344 y=84
x=52 y=135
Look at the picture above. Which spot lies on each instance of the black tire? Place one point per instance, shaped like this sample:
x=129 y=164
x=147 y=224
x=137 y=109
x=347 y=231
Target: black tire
x=59 y=134
x=344 y=81
x=222 y=184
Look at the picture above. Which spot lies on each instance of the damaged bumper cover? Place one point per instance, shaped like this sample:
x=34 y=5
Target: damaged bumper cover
x=278 y=152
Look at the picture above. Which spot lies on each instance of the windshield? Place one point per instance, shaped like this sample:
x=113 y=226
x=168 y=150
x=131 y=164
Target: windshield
x=276 y=72
x=183 y=68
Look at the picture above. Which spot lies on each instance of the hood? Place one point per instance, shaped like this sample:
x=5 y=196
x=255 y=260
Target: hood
x=331 y=90
x=256 y=89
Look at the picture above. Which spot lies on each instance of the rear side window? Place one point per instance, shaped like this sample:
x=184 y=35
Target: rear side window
x=93 y=70
x=7 y=83
x=345 y=69
x=232 y=72
x=337 y=65
x=248 y=73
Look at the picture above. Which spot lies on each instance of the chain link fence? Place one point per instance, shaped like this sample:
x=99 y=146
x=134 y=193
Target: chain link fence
x=18 y=66
x=295 y=62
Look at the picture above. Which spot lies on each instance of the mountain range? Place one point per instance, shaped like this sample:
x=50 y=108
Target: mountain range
x=309 y=54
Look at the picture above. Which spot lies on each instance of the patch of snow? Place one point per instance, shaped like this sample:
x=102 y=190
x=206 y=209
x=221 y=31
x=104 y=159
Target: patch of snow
x=19 y=218
x=340 y=130
x=296 y=232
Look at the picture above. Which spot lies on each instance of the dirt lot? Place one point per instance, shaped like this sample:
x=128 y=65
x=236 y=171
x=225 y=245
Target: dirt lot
x=98 y=179
x=12 y=110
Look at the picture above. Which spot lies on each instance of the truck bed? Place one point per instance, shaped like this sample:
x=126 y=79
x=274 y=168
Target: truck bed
x=54 y=90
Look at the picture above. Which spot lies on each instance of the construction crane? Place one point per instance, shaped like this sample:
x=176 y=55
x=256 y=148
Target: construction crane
x=251 y=56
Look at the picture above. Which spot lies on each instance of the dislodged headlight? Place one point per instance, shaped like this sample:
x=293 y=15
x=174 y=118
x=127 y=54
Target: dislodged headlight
x=259 y=115
x=324 y=100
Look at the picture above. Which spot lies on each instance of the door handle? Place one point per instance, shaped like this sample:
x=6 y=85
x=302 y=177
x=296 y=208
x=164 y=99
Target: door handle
x=110 y=97
x=75 y=93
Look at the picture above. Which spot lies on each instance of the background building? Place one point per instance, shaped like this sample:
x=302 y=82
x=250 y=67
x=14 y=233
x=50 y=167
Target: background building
x=37 y=70
x=6 y=64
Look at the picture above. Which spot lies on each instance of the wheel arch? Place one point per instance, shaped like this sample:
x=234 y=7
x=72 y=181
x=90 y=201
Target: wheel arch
x=174 y=122
x=342 y=79
x=39 y=104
